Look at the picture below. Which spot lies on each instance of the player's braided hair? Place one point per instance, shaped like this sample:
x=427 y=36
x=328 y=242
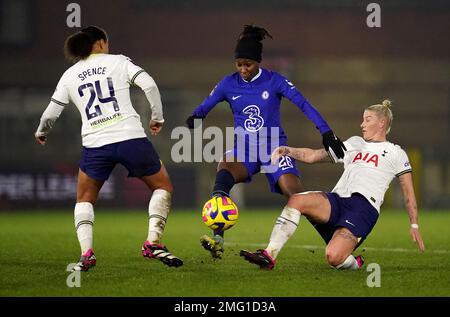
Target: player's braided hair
x=79 y=45
x=249 y=43
x=384 y=110
x=256 y=32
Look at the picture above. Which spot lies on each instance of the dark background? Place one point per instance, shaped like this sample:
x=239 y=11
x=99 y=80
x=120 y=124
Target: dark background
x=324 y=47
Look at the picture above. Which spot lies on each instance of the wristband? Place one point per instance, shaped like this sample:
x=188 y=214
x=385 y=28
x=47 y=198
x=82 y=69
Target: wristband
x=414 y=226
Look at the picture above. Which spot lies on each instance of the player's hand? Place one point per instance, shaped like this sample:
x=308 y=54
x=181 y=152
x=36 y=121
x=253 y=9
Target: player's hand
x=332 y=141
x=279 y=152
x=41 y=139
x=155 y=127
x=415 y=235
x=191 y=121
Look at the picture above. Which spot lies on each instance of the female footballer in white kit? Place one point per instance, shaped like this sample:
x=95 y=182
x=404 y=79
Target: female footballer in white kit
x=99 y=86
x=345 y=216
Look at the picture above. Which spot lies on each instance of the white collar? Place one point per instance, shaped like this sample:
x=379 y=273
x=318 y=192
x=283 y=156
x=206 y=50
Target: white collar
x=254 y=78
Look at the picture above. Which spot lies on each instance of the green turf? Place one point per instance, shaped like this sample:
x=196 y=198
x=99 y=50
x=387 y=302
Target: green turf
x=36 y=247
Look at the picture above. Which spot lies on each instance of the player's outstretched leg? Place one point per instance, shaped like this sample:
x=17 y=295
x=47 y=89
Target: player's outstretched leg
x=87 y=260
x=160 y=252
x=283 y=229
x=260 y=258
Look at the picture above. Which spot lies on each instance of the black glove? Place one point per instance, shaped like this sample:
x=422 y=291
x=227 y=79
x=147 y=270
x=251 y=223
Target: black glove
x=190 y=121
x=331 y=141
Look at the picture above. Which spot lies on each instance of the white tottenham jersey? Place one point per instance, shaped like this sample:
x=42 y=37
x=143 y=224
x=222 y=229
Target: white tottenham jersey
x=369 y=168
x=99 y=87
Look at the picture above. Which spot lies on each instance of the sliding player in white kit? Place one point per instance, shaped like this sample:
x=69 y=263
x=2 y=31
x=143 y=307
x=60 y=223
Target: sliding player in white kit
x=99 y=85
x=346 y=216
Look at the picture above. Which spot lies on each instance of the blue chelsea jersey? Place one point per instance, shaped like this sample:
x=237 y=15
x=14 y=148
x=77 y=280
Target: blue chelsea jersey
x=256 y=104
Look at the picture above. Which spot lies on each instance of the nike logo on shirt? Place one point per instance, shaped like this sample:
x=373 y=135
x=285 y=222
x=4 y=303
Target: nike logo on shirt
x=235 y=97
x=350 y=223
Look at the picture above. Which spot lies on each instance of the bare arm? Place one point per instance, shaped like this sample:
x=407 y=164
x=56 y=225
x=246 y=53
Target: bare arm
x=406 y=184
x=304 y=155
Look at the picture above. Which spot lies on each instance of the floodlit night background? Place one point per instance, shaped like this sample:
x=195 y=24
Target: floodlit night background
x=324 y=47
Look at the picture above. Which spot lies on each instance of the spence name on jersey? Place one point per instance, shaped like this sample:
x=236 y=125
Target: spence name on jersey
x=99 y=87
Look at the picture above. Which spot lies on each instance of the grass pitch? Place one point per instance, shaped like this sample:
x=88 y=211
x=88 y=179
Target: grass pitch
x=36 y=247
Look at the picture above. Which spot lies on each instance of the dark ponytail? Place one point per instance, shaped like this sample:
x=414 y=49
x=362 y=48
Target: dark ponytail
x=254 y=32
x=249 y=43
x=79 y=45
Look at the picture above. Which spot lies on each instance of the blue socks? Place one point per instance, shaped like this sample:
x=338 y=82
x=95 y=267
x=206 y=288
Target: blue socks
x=222 y=187
x=224 y=183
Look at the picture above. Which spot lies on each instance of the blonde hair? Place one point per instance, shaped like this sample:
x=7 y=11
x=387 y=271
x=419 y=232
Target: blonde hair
x=384 y=110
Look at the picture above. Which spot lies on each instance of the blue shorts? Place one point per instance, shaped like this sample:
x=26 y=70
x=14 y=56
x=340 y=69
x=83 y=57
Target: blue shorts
x=137 y=155
x=354 y=213
x=255 y=163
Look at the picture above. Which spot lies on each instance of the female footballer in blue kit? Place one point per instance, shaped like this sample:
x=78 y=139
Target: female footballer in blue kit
x=98 y=84
x=254 y=95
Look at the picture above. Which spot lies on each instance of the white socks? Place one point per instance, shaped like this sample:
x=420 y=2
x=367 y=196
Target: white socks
x=350 y=263
x=284 y=228
x=158 y=210
x=84 y=221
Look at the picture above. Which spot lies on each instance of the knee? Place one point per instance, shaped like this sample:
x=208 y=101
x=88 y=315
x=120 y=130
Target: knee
x=169 y=189
x=162 y=182
x=297 y=202
x=334 y=257
x=167 y=186
x=86 y=197
x=224 y=164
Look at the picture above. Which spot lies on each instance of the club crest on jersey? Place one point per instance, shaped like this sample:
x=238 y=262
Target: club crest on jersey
x=265 y=95
x=367 y=157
